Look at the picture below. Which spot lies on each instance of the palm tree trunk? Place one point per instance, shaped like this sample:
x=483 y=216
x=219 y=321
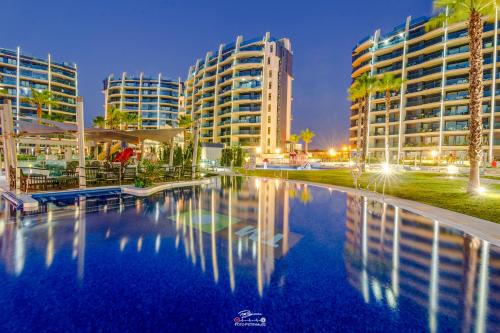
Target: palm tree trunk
x=386 y=129
x=476 y=95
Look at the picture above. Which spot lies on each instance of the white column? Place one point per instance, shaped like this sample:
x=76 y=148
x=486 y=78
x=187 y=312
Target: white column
x=196 y=130
x=443 y=85
x=493 y=90
x=372 y=71
x=402 y=91
x=49 y=60
x=158 y=104
x=81 y=142
x=18 y=83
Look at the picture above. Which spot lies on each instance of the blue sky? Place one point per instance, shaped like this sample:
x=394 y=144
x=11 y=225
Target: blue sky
x=167 y=36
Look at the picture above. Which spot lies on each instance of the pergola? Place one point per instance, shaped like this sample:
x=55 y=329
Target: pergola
x=13 y=129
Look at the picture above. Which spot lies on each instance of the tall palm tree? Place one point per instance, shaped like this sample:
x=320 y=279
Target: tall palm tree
x=40 y=99
x=307 y=135
x=387 y=85
x=99 y=122
x=474 y=12
x=360 y=92
x=294 y=139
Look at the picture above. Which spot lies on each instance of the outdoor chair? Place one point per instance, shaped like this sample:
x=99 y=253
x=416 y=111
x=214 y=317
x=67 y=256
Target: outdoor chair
x=128 y=174
x=92 y=175
x=33 y=182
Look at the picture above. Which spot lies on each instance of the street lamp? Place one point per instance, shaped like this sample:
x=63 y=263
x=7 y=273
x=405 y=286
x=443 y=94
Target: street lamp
x=331 y=152
x=277 y=150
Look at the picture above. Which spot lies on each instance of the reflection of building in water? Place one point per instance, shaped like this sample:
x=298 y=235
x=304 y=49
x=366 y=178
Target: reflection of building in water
x=251 y=220
x=391 y=254
x=222 y=228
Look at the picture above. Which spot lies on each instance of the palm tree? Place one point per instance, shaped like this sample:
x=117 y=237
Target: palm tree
x=307 y=135
x=99 y=122
x=184 y=121
x=116 y=118
x=40 y=99
x=360 y=92
x=388 y=84
x=294 y=139
x=475 y=12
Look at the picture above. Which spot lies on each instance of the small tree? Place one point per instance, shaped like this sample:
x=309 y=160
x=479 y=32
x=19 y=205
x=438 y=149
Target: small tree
x=307 y=135
x=294 y=139
x=99 y=122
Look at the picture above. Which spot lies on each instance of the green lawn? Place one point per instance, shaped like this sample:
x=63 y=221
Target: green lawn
x=430 y=188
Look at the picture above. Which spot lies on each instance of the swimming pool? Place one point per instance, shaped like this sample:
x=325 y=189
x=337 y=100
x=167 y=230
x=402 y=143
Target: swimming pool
x=243 y=251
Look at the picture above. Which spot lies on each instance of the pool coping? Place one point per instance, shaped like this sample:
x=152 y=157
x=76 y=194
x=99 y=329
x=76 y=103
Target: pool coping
x=484 y=229
x=28 y=202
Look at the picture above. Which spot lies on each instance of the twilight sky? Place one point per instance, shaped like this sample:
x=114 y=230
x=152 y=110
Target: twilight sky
x=167 y=36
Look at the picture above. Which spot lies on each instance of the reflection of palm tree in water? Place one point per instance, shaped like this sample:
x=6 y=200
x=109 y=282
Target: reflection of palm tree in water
x=471 y=246
x=305 y=195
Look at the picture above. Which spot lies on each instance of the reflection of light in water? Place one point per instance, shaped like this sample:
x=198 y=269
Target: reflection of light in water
x=19 y=256
x=364 y=241
x=139 y=244
x=395 y=254
x=391 y=300
x=123 y=243
x=200 y=235
x=191 y=234
x=240 y=248
x=177 y=223
x=482 y=296
x=433 y=288
x=230 y=240
x=260 y=284
x=254 y=250
x=377 y=290
x=81 y=240
x=157 y=243
x=108 y=233
x=49 y=255
x=2 y=227
x=214 y=245
x=157 y=211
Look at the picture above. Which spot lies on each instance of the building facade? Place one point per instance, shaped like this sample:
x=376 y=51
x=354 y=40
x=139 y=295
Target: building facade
x=429 y=117
x=20 y=72
x=154 y=99
x=242 y=94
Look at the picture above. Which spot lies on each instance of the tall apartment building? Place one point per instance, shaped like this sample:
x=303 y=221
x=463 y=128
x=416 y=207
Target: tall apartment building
x=242 y=93
x=430 y=115
x=20 y=72
x=154 y=99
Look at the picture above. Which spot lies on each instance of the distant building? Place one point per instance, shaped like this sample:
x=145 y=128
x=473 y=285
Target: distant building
x=431 y=114
x=242 y=93
x=19 y=73
x=154 y=99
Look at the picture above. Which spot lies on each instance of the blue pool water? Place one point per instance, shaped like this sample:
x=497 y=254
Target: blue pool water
x=300 y=258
